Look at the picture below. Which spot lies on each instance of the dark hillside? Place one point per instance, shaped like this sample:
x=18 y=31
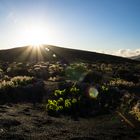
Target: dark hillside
x=51 y=53
x=87 y=56
x=136 y=57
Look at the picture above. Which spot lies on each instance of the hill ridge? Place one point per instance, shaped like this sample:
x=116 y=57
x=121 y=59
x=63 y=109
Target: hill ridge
x=52 y=53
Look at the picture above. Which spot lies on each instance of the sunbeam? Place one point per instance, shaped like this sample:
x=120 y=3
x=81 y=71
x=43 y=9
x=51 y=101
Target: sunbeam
x=33 y=53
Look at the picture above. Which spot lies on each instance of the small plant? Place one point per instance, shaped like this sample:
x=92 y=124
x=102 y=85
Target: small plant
x=104 y=88
x=59 y=92
x=52 y=105
x=136 y=111
x=68 y=103
x=63 y=101
x=74 y=90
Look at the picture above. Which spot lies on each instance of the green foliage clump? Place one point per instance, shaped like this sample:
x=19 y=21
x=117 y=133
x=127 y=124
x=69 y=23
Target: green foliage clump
x=64 y=101
x=104 y=88
x=74 y=90
x=59 y=92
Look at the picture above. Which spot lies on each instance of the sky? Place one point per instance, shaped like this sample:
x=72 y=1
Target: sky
x=107 y=26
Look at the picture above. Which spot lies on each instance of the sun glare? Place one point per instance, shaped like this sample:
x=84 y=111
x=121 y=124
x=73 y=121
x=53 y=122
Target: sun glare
x=34 y=34
x=35 y=46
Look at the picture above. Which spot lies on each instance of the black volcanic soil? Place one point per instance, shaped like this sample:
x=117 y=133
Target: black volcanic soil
x=25 y=121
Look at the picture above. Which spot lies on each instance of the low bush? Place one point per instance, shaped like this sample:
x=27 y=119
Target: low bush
x=21 y=89
x=136 y=111
x=130 y=105
x=121 y=83
x=1 y=73
x=16 y=69
x=93 y=77
x=76 y=71
x=16 y=82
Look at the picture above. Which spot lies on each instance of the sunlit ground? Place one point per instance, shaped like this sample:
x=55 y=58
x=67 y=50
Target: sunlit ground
x=37 y=53
x=33 y=52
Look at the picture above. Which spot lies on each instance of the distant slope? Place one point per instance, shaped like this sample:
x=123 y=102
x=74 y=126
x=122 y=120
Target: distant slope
x=52 y=53
x=80 y=55
x=136 y=57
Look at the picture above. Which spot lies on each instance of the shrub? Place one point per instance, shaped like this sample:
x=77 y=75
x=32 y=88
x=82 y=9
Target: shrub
x=130 y=105
x=6 y=84
x=15 y=70
x=16 y=82
x=76 y=71
x=93 y=77
x=39 y=71
x=136 y=111
x=121 y=82
x=64 y=101
x=72 y=101
x=55 y=70
x=21 y=80
x=1 y=73
x=109 y=97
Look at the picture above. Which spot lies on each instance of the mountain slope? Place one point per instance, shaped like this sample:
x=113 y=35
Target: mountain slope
x=51 y=53
x=136 y=57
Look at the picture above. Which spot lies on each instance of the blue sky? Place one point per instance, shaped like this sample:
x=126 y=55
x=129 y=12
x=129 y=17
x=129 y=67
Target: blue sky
x=109 y=26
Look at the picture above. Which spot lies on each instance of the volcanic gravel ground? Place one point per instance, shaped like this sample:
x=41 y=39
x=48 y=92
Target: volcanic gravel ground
x=28 y=122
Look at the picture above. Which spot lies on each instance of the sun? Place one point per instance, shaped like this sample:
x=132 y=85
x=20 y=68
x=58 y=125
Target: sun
x=34 y=34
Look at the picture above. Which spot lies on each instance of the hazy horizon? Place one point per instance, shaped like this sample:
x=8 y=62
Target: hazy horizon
x=109 y=26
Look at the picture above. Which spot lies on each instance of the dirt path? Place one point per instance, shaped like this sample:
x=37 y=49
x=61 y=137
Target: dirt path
x=23 y=121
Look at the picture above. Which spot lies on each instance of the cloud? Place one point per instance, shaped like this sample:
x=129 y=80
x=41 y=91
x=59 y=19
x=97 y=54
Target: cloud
x=122 y=52
x=127 y=52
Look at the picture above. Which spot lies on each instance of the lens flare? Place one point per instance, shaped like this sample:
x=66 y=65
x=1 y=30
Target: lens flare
x=54 y=55
x=47 y=49
x=93 y=92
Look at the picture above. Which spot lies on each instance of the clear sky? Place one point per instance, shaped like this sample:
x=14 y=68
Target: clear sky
x=109 y=26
